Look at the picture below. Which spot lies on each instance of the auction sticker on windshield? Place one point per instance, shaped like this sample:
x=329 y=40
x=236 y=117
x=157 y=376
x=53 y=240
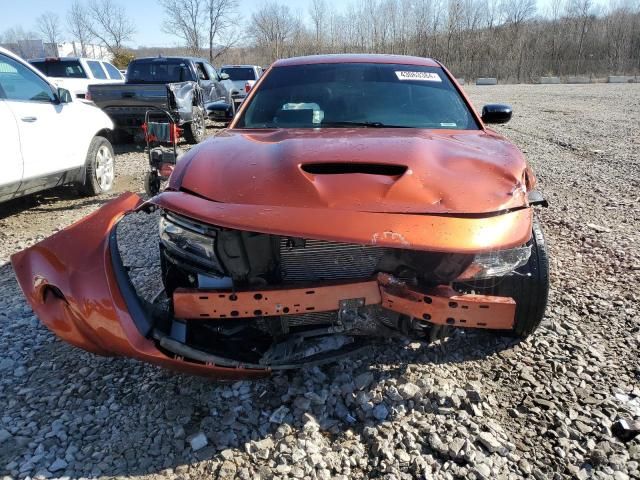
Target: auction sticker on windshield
x=422 y=76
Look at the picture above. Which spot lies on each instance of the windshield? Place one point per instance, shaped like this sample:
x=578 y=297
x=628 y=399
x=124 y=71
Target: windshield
x=239 y=73
x=60 y=69
x=357 y=95
x=159 y=70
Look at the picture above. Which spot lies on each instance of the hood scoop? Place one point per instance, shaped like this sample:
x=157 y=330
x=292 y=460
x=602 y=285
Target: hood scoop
x=329 y=168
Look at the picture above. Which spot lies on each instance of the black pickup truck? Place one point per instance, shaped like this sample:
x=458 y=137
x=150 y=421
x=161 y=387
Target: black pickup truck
x=189 y=88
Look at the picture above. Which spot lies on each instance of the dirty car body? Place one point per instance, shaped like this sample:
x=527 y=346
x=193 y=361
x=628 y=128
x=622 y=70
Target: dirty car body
x=354 y=198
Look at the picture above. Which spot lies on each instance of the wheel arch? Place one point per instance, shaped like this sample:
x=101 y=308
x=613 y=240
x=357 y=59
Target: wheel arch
x=106 y=133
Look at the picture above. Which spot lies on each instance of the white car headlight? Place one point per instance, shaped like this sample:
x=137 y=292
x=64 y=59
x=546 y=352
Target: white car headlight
x=497 y=263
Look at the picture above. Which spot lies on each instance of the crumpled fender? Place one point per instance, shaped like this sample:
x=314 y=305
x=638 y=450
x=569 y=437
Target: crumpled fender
x=183 y=95
x=76 y=285
x=440 y=233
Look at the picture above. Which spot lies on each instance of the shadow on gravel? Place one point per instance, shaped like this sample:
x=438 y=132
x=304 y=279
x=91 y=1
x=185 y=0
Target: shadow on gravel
x=45 y=201
x=107 y=416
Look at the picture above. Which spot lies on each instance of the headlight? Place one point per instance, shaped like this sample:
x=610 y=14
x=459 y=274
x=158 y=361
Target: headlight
x=496 y=264
x=189 y=240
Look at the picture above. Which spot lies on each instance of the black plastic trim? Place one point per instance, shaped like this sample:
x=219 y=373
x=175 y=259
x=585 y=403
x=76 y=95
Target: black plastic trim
x=194 y=354
x=139 y=314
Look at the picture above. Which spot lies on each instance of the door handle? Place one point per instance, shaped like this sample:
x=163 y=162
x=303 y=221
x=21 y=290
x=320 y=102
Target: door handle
x=29 y=119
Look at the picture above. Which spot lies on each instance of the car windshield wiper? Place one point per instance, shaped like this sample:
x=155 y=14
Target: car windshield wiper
x=361 y=124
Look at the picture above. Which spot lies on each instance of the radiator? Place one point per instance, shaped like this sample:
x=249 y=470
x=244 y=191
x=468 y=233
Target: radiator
x=320 y=260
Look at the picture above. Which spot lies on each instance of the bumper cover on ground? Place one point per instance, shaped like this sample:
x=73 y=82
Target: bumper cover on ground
x=77 y=286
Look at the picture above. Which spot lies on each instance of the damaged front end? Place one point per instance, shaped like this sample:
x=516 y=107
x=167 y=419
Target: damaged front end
x=241 y=300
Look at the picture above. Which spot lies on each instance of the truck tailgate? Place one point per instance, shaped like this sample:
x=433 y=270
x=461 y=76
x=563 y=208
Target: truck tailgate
x=135 y=95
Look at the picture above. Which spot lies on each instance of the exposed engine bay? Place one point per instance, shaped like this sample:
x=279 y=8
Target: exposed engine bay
x=257 y=300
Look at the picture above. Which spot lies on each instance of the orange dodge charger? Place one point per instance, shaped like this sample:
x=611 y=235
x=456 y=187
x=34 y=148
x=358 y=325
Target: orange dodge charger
x=353 y=197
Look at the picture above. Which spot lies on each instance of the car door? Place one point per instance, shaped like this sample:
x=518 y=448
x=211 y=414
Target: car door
x=11 y=171
x=206 y=83
x=221 y=92
x=45 y=140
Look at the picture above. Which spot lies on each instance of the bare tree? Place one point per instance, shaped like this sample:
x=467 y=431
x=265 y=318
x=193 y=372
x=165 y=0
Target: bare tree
x=318 y=13
x=503 y=38
x=16 y=39
x=185 y=19
x=581 y=10
x=109 y=24
x=78 y=25
x=222 y=20
x=48 y=25
x=272 y=26
x=516 y=12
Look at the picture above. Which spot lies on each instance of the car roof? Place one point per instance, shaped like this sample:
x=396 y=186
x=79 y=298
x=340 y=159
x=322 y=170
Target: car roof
x=173 y=57
x=66 y=59
x=357 y=58
x=240 y=66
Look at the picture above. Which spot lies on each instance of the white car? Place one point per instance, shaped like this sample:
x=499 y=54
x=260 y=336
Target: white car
x=48 y=137
x=243 y=78
x=76 y=74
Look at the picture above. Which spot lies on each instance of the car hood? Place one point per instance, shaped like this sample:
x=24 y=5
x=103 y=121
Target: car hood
x=364 y=169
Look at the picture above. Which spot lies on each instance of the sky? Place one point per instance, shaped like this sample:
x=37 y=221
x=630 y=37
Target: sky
x=147 y=13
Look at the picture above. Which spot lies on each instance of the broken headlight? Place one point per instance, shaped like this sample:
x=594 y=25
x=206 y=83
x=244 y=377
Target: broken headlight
x=191 y=241
x=496 y=264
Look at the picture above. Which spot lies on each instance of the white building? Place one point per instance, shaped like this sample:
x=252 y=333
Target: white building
x=38 y=49
x=73 y=49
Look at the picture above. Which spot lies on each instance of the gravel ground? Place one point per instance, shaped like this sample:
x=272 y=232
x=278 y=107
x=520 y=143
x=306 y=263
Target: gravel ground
x=473 y=406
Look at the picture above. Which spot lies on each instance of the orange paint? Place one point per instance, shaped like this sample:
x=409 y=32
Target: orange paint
x=441 y=305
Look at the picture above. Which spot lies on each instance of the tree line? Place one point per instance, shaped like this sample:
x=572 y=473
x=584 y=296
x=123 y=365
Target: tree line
x=508 y=39
x=515 y=40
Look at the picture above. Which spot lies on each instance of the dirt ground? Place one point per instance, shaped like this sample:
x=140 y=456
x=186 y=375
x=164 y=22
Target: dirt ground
x=482 y=407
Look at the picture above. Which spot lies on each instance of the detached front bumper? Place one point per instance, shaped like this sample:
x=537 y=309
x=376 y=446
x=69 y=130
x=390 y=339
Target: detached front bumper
x=77 y=285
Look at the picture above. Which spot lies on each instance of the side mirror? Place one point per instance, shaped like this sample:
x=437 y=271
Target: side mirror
x=64 y=96
x=224 y=76
x=496 y=113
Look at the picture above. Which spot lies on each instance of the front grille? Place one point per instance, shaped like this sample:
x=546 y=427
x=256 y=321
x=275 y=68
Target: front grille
x=314 y=318
x=321 y=260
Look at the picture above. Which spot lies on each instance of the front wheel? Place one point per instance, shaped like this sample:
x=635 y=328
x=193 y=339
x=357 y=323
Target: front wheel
x=194 y=131
x=152 y=184
x=100 y=171
x=528 y=286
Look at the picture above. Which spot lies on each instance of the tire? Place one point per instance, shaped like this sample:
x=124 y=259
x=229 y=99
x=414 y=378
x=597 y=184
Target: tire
x=151 y=184
x=530 y=290
x=194 y=131
x=529 y=287
x=99 y=168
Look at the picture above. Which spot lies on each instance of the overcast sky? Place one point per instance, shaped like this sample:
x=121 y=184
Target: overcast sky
x=147 y=14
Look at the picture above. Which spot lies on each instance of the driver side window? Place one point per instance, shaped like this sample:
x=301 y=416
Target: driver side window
x=202 y=74
x=21 y=84
x=213 y=75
